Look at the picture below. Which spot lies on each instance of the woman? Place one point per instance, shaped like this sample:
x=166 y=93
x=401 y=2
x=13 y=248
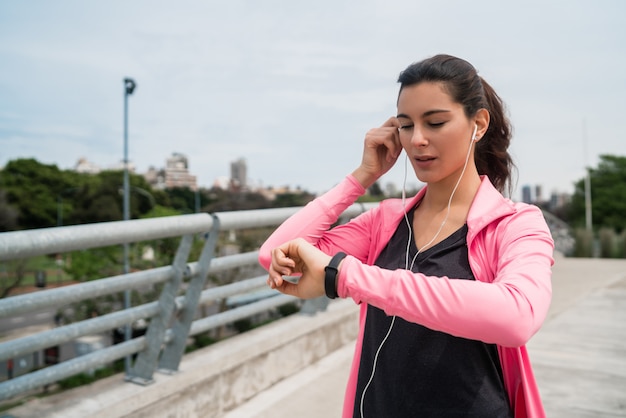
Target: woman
x=453 y=282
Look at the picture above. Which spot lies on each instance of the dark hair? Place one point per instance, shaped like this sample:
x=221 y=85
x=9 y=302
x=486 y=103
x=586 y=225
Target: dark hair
x=462 y=82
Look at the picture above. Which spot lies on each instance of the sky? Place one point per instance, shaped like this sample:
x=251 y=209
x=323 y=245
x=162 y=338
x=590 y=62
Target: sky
x=292 y=87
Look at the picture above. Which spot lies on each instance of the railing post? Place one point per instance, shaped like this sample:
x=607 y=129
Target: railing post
x=146 y=362
x=173 y=352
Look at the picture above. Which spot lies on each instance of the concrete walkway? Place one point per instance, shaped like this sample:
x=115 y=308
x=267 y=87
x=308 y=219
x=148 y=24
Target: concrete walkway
x=579 y=355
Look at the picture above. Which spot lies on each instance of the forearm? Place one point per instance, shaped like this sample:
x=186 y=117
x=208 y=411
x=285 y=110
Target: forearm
x=312 y=221
x=507 y=311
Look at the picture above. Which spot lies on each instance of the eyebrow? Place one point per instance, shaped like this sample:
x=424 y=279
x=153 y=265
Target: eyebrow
x=428 y=113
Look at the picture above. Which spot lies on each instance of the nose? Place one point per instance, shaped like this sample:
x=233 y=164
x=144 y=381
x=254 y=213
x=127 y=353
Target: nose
x=418 y=139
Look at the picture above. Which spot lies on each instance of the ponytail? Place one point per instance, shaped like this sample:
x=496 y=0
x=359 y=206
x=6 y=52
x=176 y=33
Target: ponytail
x=492 y=157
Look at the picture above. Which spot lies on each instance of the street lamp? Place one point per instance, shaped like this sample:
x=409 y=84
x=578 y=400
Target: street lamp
x=129 y=87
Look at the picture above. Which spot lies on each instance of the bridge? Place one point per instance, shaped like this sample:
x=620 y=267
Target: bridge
x=293 y=366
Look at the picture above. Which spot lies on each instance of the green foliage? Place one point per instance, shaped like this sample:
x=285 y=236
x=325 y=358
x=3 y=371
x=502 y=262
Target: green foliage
x=95 y=263
x=160 y=211
x=608 y=195
x=32 y=188
x=165 y=248
x=288 y=309
x=224 y=201
x=366 y=198
x=43 y=196
x=583 y=243
x=287 y=200
x=8 y=214
x=183 y=199
x=243 y=325
x=200 y=341
x=86 y=378
x=376 y=191
x=36 y=195
x=611 y=244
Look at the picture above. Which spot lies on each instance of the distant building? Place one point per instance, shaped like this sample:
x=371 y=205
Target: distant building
x=538 y=194
x=155 y=177
x=222 y=182
x=120 y=166
x=175 y=174
x=526 y=194
x=270 y=193
x=558 y=200
x=238 y=174
x=85 y=166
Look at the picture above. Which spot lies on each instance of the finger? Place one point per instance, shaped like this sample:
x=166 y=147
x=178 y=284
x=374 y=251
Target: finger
x=391 y=141
x=280 y=269
x=275 y=276
x=287 y=288
x=392 y=122
x=281 y=263
x=275 y=281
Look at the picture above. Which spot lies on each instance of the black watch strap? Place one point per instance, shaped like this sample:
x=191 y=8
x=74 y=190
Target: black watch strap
x=330 y=276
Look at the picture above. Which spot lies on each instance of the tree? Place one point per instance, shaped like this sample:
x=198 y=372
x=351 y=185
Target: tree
x=608 y=195
x=286 y=200
x=8 y=214
x=18 y=267
x=376 y=191
x=182 y=199
x=33 y=189
x=225 y=201
x=99 y=198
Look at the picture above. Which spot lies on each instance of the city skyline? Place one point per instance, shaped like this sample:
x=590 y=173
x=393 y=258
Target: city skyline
x=238 y=178
x=294 y=88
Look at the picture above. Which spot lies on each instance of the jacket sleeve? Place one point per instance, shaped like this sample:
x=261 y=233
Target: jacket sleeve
x=506 y=310
x=313 y=223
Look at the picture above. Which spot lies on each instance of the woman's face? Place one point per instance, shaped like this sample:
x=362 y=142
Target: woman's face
x=434 y=132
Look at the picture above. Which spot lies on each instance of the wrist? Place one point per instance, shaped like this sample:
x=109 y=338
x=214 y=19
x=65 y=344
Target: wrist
x=331 y=271
x=365 y=179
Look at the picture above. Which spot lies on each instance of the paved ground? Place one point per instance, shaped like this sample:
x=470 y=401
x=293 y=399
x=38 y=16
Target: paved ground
x=579 y=355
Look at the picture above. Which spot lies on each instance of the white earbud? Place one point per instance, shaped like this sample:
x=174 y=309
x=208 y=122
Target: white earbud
x=474 y=134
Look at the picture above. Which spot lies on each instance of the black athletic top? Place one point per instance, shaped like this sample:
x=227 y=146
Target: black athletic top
x=421 y=372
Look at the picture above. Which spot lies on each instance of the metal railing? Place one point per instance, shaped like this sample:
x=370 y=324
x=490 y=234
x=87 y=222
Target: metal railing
x=172 y=318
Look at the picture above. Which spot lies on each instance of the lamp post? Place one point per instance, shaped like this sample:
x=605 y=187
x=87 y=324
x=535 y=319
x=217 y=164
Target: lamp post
x=129 y=87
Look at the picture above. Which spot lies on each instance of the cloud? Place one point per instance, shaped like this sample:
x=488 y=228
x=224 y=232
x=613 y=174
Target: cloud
x=293 y=87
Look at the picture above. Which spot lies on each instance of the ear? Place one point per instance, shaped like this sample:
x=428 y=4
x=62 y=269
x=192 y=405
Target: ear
x=482 y=122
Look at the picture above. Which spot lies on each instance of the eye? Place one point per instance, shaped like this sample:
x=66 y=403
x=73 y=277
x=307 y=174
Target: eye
x=406 y=126
x=436 y=124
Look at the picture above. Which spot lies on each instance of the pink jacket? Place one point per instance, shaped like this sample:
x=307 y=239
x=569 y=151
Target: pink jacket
x=510 y=253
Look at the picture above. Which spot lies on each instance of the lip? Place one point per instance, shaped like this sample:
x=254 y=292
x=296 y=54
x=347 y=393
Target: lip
x=424 y=157
x=424 y=161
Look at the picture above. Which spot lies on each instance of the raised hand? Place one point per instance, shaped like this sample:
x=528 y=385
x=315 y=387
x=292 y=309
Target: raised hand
x=298 y=257
x=381 y=150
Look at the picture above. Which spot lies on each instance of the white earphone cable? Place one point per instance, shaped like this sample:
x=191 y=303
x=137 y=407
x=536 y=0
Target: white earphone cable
x=419 y=250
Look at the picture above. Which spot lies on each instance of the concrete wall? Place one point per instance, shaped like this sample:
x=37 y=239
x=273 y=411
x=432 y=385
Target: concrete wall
x=216 y=379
